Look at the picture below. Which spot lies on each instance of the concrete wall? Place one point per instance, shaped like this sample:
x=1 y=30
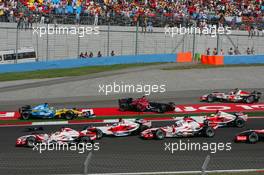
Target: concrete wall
x=244 y=59
x=71 y=63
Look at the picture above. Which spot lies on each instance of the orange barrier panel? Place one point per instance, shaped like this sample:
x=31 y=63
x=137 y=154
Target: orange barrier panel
x=184 y=57
x=212 y=60
x=219 y=60
x=204 y=59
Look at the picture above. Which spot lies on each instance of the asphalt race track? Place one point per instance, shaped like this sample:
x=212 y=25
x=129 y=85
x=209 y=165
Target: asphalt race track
x=178 y=97
x=130 y=154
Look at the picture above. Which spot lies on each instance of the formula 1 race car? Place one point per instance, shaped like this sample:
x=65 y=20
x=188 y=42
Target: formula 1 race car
x=45 y=111
x=64 y=136
x=250 y=136
x=123 y=127
x=222 y=119
x=143 y=105
x=185 y=127
x=236 y=95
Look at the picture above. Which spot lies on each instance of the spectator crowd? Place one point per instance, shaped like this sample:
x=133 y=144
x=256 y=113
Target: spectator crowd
x=224 y=11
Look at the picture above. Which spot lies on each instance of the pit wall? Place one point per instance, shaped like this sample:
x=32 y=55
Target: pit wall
x=73 y=63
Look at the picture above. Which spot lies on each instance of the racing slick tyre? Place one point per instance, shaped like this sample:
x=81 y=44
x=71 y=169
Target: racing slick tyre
x=240 y=123
x=26 y=107
x=123 y=107
x=172 y=106
x=250 y=99
x=84 y=140
x=253 y=138
x=161 y=109
x=210 y=99
x=99 y=134
x=25 y=115
x=160 y=135
x=30 y=141
x=209 y=132
x=69 y=115
x=143 y=128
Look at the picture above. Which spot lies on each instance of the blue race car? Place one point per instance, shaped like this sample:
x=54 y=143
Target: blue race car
x=45 y=111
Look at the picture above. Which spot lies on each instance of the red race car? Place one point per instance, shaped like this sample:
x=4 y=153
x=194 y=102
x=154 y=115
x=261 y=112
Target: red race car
x=250 y=136
x=144 y=105
x=63 y=136
x=236 y=95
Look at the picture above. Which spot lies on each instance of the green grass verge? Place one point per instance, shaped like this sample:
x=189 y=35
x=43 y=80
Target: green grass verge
x=261 y=113
x=53 y=73
x=233 y=173
x=203 y=66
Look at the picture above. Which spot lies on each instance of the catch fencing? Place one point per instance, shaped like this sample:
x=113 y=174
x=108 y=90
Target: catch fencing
x=123 y=40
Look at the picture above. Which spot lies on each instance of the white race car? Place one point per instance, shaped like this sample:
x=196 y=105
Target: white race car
x=63 y=136
x=124 y=127
x=185 y=127
x=222 y=119
x=236 y=95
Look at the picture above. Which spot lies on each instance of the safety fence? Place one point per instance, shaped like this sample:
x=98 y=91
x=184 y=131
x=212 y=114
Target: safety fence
x=122 y=40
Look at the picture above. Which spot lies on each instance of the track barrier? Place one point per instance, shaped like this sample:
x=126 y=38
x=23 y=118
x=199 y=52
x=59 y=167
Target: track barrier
x=184 y=57
x=181 y=57
x=212 y=60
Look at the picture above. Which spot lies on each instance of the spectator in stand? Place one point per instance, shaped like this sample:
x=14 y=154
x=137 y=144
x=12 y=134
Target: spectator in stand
x=91 y=55
x=86 y=55
x=215 y=51
x=230 y=52
x=252 y=50
x=99 y=54
x=208 y=51
x=81 y=55
x=150 y=27
x=236 y=51
x=248 y=51
x=112 y=53
x=222 y=52
x=95 y=19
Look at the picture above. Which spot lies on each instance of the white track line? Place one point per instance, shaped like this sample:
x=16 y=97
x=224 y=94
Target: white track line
x=185 y=172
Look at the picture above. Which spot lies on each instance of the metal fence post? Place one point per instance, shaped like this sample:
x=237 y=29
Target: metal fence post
x=217 y=43
x=37 y=54
x=108 y=38
x=183 y=43
x=136 y=44
x=205 y=164
x=78 y=45
x=86 y=163
x=16 y=45
x=47 y=48
x=121 y=47
x=193 y=47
